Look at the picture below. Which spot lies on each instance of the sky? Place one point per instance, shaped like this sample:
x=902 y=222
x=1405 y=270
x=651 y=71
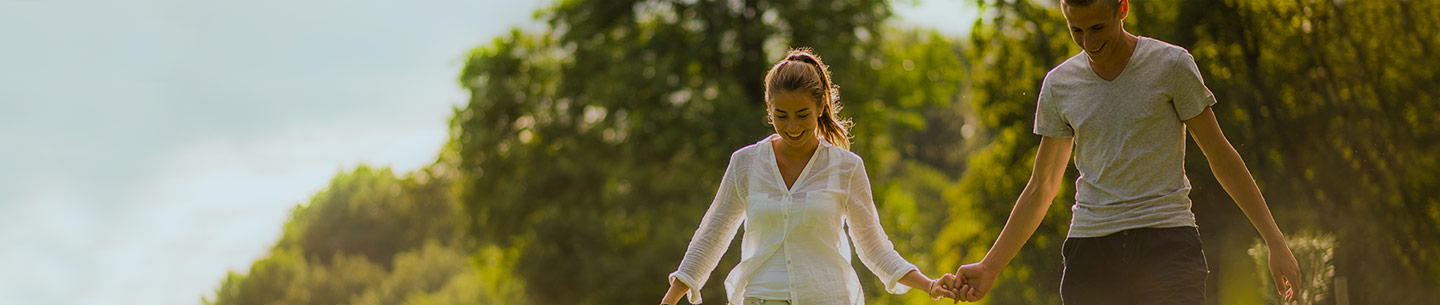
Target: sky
x=147 y=147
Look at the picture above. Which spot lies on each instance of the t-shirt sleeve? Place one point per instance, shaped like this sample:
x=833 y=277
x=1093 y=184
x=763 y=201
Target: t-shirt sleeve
x=1188 y=92
x=1048 y=120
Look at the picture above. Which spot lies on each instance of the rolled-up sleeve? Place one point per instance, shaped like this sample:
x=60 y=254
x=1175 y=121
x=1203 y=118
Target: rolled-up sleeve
x=874 y=247
x=717 y=229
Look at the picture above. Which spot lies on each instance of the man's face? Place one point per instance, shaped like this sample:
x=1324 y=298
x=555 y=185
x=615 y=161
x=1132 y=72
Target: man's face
x=1096 y=27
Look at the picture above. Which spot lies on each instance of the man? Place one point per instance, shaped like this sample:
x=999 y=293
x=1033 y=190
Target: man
x=1124 y=105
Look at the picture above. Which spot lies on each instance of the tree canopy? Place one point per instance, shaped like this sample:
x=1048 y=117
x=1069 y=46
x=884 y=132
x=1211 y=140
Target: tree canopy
x=587 y=152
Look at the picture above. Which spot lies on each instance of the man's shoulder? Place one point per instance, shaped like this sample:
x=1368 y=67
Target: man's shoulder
x=1163 y=51
x=1074 y=67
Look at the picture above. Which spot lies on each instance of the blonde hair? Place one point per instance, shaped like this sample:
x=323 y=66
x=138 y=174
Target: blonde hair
x=802 y=70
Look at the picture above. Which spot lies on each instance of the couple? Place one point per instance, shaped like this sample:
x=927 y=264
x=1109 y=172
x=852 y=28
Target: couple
x=1123 y=105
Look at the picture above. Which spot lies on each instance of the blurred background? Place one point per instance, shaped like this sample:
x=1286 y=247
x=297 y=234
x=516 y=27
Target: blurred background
x=509 y=152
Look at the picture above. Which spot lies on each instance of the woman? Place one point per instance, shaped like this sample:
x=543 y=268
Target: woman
x=795 y=191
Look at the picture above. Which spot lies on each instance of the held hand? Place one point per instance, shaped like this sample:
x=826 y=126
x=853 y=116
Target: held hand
x=940 y=287
x=1286 y=271
x=972 y=282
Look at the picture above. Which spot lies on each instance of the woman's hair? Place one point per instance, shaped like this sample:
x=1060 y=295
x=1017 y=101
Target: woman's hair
x=802 y=70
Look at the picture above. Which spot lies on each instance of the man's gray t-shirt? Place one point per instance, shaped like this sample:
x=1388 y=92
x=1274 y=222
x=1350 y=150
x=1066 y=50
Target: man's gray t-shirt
x=1129 y=137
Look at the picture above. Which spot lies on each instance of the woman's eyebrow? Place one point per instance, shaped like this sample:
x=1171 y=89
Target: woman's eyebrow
x=777 y=110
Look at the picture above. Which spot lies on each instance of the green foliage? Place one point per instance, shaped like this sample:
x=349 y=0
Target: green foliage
x=373 y=213
x=601 y=142
x=334 y=283
x=268 y=281
x=587 y=153
x=418 y=272
x=368 y=238
x=664 y=83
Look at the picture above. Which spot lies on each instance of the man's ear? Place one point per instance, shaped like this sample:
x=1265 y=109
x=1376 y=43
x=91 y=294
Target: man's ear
x=1124 y=8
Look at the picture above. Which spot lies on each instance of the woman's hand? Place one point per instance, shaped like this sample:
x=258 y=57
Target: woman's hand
x=677 y=291
x=940 y=287
x=934 y=288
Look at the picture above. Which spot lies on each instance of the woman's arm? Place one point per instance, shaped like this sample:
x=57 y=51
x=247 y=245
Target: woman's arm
x=873 y=246
x=932 y=287
x=1230 y=170
x=712 y=239
x=876 y=250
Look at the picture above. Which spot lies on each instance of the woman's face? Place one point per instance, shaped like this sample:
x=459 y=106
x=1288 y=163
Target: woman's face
x=795 y=115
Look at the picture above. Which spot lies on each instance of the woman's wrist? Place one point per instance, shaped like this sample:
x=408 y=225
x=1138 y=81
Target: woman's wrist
x=677 y=290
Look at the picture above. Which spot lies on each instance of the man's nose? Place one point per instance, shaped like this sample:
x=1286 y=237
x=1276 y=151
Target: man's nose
x=1091 y=42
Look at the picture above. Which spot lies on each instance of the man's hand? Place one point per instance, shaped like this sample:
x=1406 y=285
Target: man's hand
x=1286 y=271
x=972 y=282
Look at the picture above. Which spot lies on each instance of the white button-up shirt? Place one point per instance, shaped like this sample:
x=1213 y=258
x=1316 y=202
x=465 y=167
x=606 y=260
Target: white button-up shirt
x=807 y=219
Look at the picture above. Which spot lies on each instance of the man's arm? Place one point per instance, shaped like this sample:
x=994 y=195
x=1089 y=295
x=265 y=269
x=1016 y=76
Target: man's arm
x=1230 y=170
x=1050 y=161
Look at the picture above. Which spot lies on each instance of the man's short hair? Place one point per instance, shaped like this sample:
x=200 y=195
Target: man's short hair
x=1114 y=4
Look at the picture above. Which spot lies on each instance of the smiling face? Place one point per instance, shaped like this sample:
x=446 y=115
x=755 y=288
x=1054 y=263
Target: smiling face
x=795 y=115
x=1097 y=27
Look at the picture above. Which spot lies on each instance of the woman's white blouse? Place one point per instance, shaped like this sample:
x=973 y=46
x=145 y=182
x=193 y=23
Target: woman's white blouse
x=832 y=191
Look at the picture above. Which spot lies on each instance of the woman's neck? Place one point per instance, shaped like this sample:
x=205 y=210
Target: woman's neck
x=794 y=153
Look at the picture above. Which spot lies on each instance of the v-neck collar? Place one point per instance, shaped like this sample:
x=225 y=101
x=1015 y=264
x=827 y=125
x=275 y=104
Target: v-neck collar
x=1128 y=63
x=775 y=163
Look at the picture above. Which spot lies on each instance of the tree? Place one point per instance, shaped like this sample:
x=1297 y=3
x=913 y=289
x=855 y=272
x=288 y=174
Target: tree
x=268 y=281
x=370 y=237
x=587 y=153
